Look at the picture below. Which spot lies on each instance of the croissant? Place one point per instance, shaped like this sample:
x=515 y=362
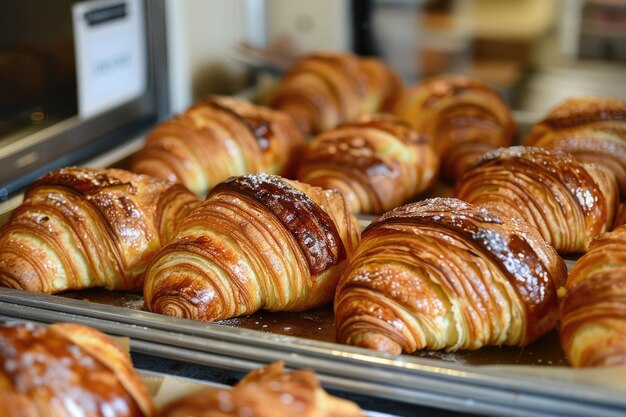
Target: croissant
x=592 y=129
x=67 y=370
x=444 y=274
x=217 y=138
x=257 y=242
x=80 y=228
x=569 y=202
x=322 y=90
x=377 y=163
x=593 y=313
x=267 y=392
x=464 y=117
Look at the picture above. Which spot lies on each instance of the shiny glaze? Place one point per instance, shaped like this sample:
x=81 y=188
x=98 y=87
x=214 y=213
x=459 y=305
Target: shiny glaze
x=569 y=192
x=79 y=228
x=59 y=378
x=460 y=244
x=593 y=313
x=309 y=224
x=256 y=242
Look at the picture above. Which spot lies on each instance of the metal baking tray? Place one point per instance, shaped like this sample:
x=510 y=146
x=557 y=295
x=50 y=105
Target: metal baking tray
x=446 y=382
x=452 y=381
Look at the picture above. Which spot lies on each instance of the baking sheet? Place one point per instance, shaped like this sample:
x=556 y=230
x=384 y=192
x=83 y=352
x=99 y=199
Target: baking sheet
x=490 y=390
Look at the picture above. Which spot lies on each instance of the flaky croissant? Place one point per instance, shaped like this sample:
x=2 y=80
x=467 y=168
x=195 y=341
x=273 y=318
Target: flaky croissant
x=463 y=116
x=266 y=392
x=443 y=274
x=80 y=228
x=593 y=313
x=593 y=129
x=257 y=242
x=67 y=370
x=325 y=89
x=377 y=163
x=568 y=201
x=217 y=138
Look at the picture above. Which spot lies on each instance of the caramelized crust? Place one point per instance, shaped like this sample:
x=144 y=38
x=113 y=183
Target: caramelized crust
x=464 y=117
x=325 y=89
x=376 y=162
x=67 y=370
x=267 y=392
x=569 y=202
x=217 y=138
x=593 y=313
x=256 y=242
x=80 y=228
x=443 y=274
x=593 y=129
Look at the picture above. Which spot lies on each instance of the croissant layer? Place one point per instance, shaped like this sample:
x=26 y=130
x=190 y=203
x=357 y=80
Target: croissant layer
x=217 y=138
x=257 y=242
x=593 y=313
x=80 y=228
x=463 y=116
x=592 y=129
x=568 y=201
x=443 y=274
x=376 y=162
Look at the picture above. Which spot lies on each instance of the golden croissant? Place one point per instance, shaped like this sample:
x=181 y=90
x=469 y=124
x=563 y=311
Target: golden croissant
x=593 y=313
x=463 y=116
x=325 y=89
x=257 y=242
x=376 y=162
x=593 y=129
x=266 y=392
x=568 y=201
x=81 y=228
x=67 y=370
x=444 y=274
x=217 y=138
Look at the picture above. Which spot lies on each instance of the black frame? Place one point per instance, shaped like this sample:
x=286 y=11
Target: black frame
x=74 y=140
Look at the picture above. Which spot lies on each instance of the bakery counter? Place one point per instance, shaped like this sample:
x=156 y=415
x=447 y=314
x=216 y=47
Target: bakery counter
x=531 y=381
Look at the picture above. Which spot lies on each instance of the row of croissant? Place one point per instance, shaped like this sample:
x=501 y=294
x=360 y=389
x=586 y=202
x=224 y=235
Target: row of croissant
x=481 y=269
x=69 y=370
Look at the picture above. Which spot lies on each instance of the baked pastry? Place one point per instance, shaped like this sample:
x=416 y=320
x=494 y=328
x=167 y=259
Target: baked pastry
x=593 y=129
x=217 y=138
x=444 y=274
x=463 y=116
x=377 y=163
x=569 y=202
x=593 y=313
x=67 y=370
x=326 y=89
x=257 y=242
x=80 y=228
x=267 y=392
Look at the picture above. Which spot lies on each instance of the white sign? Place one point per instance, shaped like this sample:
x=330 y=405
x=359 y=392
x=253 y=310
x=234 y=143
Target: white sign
x=110 y=45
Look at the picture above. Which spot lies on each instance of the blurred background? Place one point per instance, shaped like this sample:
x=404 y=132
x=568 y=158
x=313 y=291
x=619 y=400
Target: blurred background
x=164 y=54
